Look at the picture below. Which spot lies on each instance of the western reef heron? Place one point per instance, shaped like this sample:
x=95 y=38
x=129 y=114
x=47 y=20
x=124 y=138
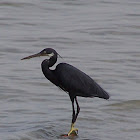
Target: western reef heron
x=71 y=80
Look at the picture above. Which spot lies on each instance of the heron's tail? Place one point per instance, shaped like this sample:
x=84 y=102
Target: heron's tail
x=101 y=93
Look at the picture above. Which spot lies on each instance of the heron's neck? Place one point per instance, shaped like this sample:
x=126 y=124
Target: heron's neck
x=49 y=63
x=52 y=61
x=49 y=74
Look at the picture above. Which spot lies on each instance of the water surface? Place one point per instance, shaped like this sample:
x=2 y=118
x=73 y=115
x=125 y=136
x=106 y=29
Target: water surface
x=100 y=37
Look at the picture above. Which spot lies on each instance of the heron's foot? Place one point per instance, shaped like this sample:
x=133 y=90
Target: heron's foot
x=73 y=131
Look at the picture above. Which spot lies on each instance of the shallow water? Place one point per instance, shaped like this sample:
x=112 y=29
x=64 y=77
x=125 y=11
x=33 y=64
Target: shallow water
x=100 y=37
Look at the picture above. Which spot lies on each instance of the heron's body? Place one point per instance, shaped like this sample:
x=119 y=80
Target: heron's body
x=70 y=79
x=74 y=81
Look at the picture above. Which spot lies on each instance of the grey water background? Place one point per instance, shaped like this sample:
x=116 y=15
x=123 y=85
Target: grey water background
x=100 y=37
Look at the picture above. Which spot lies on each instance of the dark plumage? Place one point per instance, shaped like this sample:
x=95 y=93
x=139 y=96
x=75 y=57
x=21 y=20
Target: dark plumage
x=69 y=79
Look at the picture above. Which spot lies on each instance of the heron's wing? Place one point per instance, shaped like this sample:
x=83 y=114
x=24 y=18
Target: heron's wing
x=75 y=81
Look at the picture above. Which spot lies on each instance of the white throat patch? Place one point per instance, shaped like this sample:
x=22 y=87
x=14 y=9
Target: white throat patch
x=51 y=54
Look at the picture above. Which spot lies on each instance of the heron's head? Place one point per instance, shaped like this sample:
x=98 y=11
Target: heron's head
x=46 y=52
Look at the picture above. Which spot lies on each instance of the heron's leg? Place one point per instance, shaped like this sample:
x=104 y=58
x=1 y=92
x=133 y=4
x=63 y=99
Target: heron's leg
x=73 y=110
x=73 y=130
x=78 y=109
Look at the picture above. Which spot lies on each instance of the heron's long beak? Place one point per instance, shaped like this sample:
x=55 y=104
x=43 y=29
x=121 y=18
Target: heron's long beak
x=34 y=55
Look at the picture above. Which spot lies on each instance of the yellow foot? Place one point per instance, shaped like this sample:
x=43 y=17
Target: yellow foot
x=73 y=131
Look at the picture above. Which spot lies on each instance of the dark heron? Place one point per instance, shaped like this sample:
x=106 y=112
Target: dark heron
x=71 y=80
